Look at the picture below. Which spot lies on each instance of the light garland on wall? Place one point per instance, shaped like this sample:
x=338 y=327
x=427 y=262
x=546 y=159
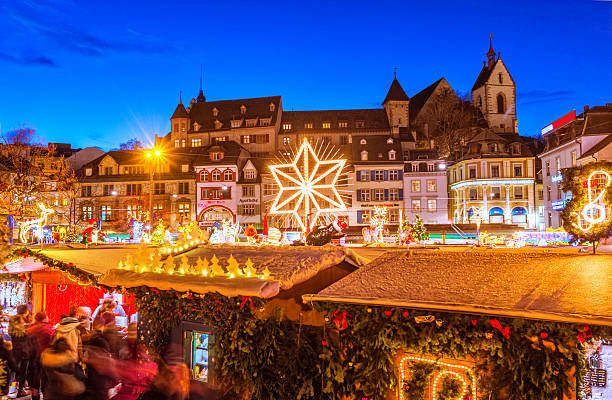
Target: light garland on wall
x=593 y=212
x=465 y=385
x=302 y=183
x=38 y=223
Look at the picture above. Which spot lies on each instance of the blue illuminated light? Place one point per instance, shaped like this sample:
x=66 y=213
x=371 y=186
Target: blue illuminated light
x=558 y=205
x=547 y=129
x=557 y=178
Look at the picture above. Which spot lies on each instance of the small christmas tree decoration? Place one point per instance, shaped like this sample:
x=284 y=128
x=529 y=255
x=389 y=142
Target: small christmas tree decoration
x=156 y=264
x=202 y=267
x=265 y=274
x=249 y=270
x=215 y=268
x=419 y=231
x=233 y=269
x=184 y=266
x=169 y=265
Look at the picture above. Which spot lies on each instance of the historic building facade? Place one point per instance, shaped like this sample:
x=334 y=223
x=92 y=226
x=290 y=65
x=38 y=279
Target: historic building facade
x=495 y=180
x=570 y=141
x=125 y=182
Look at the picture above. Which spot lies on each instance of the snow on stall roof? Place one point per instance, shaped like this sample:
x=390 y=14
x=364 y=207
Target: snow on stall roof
x=551 y=284
x=288 y=266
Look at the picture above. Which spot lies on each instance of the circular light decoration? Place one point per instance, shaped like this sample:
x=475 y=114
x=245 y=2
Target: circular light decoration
x=467 y=387
x=593 y=211
x=307 y=183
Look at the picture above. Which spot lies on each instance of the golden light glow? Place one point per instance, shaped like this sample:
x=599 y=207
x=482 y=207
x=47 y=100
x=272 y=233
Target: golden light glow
x=40 y=222
x=378 y=222
x=593 y=213
x=303 y=183
x=447 y=370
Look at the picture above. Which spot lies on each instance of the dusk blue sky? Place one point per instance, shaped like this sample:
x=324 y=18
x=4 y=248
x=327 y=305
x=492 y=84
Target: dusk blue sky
x=99 y=73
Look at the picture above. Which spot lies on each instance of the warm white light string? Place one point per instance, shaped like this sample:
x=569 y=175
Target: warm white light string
x=465 y=384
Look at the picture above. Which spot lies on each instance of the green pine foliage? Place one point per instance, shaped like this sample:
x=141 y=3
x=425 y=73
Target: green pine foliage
x=419 y=231
x=573 y=179
x=403 y=227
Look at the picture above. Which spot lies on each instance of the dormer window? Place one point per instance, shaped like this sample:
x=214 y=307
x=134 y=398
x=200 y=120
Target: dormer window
x=272 y=107
x=391 y=154
x=363 y=141
x=326 y=125
x=287 y=126
x=364 y=155
x=249 y=174
x=493 y=147
x=380 y=155
x=342 y=124
x=516 y=148
x=242 y=109
x=215 y=112
x=359 y=124
x=196 y=126
x=251 y=123
x=390 y=141
x=236 y=123
x=88 y=171
x=308 y=125
x=218 y=124
x=216 y=155
x=264 y=122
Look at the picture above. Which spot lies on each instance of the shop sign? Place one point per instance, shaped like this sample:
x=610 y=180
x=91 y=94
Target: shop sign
x=249 y=200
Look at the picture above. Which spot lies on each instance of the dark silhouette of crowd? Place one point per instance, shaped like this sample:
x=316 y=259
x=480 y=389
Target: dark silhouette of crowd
x=81 y=359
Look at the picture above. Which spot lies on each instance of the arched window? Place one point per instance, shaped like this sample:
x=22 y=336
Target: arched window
x=501 y=108
x=227 y=175
x=203 y=176
x=216 y=175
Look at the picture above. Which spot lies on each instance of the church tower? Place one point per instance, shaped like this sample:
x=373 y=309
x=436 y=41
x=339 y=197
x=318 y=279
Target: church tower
x=494 y=94
x=397 y=106
x=179 y=124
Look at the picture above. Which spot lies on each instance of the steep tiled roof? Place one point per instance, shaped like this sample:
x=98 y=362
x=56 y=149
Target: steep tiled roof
x=396 y=92
x=378 y=148
x=484 y=75
x=598 y=123
x=228 y=110
x=418 y=100
x=598 y=147
x=373 y=119
x=180 y=111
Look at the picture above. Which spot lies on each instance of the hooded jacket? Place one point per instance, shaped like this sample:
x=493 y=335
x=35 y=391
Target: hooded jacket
x=69 y=330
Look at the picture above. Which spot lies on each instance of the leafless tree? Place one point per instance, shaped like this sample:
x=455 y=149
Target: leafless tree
x=448 y=118
x=132 y=144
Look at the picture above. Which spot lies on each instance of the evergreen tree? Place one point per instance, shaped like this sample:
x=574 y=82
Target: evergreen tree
x=403 y=232
x=419 y=231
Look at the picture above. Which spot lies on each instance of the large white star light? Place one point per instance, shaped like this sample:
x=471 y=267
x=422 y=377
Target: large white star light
x=307 y=186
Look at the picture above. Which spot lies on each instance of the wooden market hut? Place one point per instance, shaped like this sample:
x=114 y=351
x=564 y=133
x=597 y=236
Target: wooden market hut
x=498 y=323
x=341 y=323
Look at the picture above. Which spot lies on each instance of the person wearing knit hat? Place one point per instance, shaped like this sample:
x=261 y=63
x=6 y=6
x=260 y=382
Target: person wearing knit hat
x=68 y=329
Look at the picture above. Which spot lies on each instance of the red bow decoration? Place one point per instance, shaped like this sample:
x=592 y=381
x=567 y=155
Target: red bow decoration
x=244 y=299
x=340 y=320
x=497 y=325
x=585 y=332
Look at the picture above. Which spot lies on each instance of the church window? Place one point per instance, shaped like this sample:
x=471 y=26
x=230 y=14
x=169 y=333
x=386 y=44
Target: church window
x=501 y=109
x=480 y=101
x=501 y=78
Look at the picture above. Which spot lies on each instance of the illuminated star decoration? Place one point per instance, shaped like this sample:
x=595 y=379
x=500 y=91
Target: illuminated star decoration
x=593 y=212
x=305 y=184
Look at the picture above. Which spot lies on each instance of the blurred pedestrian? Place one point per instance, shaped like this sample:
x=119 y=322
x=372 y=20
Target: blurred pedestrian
x=21 y=348
x=101 y=367
x=6 y=355
x=136 y=369
x=69 y=330
x=39 y=335
x=62 y=379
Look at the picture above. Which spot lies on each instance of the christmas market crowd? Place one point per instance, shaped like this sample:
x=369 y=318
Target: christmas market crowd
x=86 y=357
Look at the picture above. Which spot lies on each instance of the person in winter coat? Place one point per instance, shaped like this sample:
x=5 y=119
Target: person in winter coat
x=39 y=335
x=21 y=348
x=6 y=355
x=69 y=330
x=135 y=368
x=101 y=367
x=59 y=367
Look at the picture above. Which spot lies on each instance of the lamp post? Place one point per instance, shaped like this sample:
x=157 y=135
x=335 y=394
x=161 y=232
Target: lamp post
x=152 y=156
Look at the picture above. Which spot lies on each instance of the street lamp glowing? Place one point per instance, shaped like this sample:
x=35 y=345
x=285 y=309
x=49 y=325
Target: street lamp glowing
x=148 y=154
x=157 y=152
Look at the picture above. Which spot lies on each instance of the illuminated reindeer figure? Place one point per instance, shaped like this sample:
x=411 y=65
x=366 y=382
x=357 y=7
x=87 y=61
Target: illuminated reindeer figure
x=27 y=226
x=377 y=223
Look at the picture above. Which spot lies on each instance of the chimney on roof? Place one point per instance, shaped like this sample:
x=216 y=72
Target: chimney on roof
x=586 y=109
